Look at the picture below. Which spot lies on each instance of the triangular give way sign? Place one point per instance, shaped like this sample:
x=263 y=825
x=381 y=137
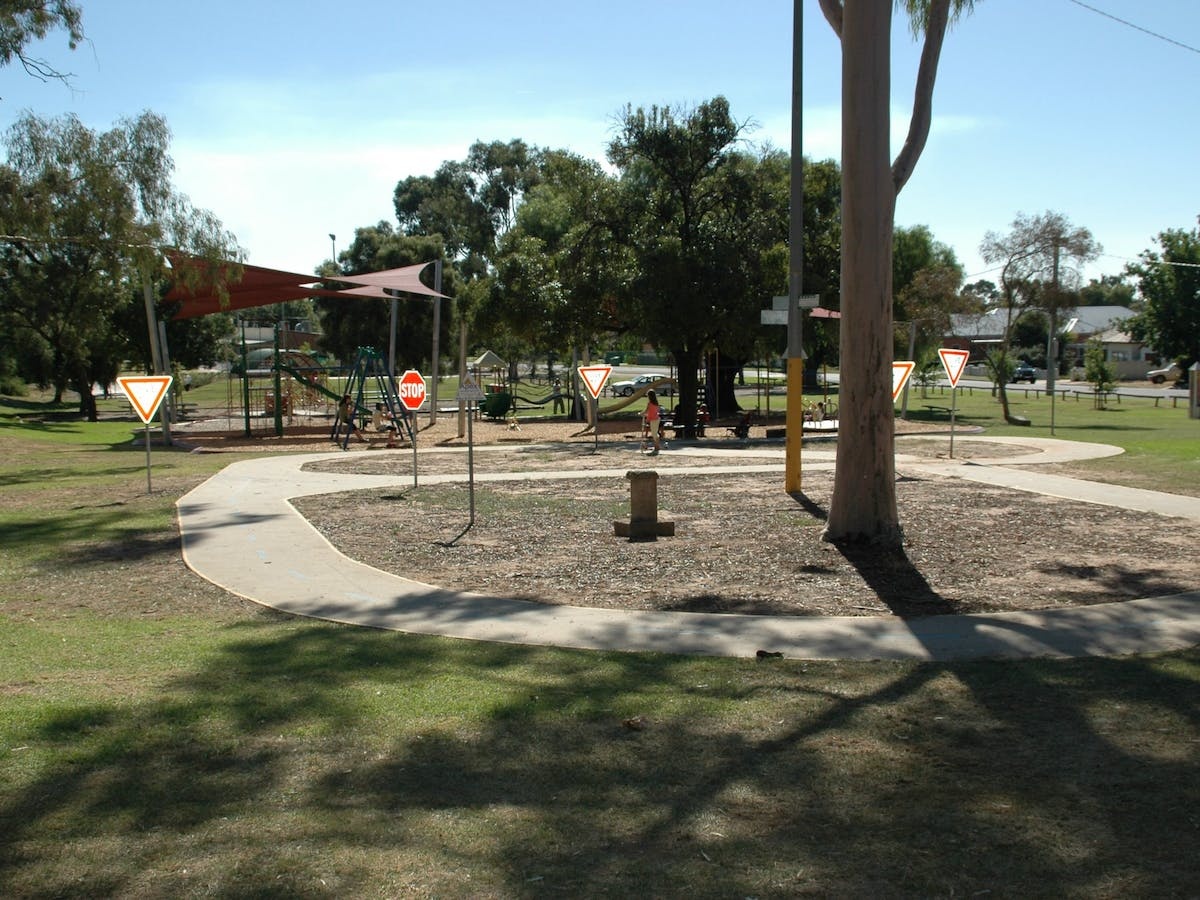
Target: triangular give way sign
x=901 y=370
x=145 y=392
x=594 y=377
x=953 y=361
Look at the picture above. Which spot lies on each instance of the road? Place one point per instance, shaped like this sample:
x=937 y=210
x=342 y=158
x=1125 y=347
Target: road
x=624 y=373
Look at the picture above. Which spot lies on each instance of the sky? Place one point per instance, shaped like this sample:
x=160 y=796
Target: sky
x=292 y=128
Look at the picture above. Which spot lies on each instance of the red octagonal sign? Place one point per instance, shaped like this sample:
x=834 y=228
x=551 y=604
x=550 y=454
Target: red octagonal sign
x=412 y=390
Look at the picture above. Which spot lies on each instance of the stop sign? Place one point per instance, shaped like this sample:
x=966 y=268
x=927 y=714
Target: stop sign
x=412 y=390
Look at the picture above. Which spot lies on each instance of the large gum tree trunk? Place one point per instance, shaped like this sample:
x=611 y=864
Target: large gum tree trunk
x=863 y=507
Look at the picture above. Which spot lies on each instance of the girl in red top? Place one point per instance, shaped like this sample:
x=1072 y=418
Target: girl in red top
x=654 y=420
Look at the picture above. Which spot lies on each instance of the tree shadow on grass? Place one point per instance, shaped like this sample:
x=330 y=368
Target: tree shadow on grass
x=317 y=760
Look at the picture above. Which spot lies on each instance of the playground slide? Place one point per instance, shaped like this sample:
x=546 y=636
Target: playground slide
x=304 y=380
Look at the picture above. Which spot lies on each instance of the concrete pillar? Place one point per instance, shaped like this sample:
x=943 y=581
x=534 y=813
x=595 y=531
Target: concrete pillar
x=643 y=524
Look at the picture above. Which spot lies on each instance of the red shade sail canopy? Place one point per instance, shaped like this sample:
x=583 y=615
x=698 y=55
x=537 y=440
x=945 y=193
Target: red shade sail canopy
x=202 y=287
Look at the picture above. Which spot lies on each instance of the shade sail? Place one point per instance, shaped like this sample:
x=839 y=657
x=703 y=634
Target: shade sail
x=198 y=286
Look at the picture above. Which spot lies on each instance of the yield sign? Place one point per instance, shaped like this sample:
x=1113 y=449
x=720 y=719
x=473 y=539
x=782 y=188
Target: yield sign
x=594 y=377
x=901 y=370
x=145 y=392
x=954 y=361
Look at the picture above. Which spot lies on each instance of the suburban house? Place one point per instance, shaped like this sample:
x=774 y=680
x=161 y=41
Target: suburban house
x=977 y=334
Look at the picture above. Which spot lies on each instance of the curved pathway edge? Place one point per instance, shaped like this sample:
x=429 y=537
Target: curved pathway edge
x=240 y=532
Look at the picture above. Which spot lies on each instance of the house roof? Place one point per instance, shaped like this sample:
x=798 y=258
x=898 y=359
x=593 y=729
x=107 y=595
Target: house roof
x=1089 y=320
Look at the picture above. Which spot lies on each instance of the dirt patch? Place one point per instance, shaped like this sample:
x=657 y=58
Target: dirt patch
x=744 y=546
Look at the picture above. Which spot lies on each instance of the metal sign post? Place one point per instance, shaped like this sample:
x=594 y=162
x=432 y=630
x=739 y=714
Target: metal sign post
x=594 y=377
x=145 y=394
x=411 y=391
x=785 y=312
x=953 y=361
x=470 y=394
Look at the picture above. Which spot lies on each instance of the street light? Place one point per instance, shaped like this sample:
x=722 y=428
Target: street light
x=333 y=243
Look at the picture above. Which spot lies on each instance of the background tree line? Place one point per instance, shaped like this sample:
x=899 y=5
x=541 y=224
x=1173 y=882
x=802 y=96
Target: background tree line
x=677 y=245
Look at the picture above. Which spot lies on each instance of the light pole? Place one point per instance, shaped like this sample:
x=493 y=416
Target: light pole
x=333 y=247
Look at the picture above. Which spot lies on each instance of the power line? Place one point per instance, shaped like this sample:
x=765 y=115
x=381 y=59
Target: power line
x=1152 y=262
x=1161 y=37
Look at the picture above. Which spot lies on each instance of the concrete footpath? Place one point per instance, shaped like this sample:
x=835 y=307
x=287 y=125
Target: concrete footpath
x=240 y=532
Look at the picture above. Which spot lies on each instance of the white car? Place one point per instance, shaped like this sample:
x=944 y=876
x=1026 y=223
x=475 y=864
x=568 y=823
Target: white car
x=1170 y=373
x=628 y=388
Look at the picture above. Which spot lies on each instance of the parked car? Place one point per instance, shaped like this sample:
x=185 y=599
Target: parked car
x=1024 y=372
x=627 y=388
x=1169 y=373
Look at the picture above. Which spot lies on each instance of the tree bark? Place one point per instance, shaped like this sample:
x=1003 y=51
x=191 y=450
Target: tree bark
x=863 y=506
x=687 y=361
x=922 y=114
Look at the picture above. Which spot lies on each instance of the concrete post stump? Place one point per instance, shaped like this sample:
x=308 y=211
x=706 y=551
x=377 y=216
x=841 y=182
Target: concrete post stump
x=643 y=524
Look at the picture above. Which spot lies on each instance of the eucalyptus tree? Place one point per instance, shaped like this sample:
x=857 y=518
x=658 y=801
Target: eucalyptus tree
x=558 y=270
x=471 y=203
x=863 y=506
x=22 y=22
x=1040 y=261
x=85 y=217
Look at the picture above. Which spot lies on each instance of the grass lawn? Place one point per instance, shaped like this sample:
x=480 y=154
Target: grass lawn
x=158 y=736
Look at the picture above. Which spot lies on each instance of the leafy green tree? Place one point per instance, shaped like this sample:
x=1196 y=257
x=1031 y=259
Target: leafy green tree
x=984 y=294
x=914 y=249
x=350 y=323
x=822 y=262
x=926 y=277
x=1030 y=333
x=25 y=21
x=558 y=271
x=1040 y=259
x=86 y=214
x=470 y=203
x=1099 y=372
x=1109 y=290
x=928 y=302
x=863 y=507
x=1168 y=281
x=697 y=222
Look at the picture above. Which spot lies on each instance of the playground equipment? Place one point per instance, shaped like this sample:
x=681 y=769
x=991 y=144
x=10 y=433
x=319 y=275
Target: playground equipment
x=369 y=382
x=555 y=395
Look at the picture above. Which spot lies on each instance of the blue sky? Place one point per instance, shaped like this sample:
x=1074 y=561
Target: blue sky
x=293 y=127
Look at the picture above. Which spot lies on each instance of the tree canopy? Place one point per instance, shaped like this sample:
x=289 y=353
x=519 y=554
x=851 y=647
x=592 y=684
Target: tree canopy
x=1040 y=259
x=85 y=216
x=24 y=21
x=1168 y=281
